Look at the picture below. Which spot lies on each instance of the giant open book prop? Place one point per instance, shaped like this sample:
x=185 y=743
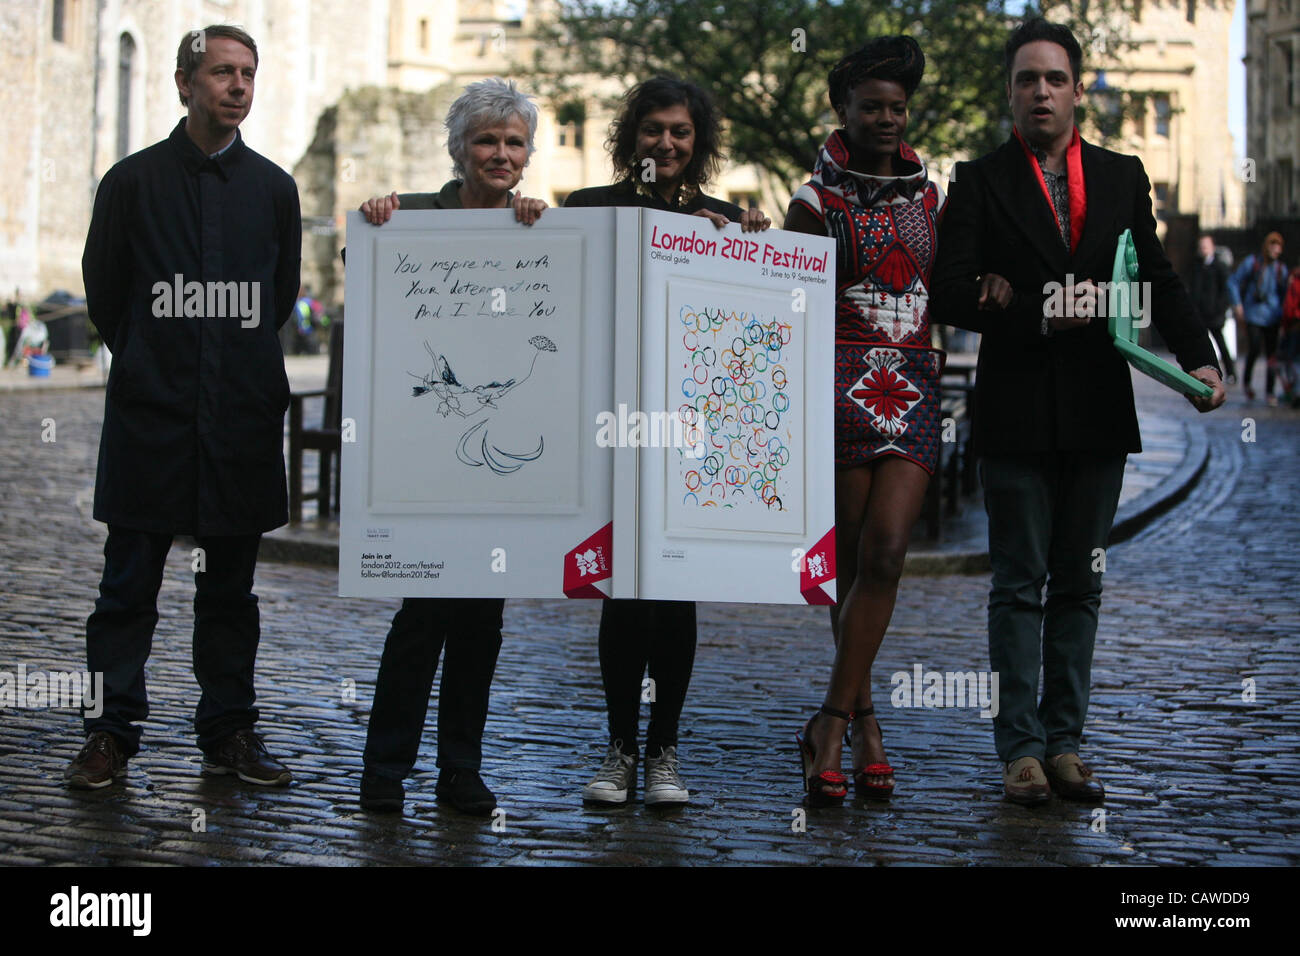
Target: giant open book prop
x=610 y=403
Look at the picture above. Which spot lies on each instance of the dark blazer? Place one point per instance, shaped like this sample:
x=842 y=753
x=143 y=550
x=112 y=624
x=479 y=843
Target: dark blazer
x=1208 y=286
x=1067 y=391
x=625 y=193
x=193 y=435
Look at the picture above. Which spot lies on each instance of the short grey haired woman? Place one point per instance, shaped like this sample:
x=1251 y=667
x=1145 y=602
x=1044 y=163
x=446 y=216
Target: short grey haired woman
x=490 y=129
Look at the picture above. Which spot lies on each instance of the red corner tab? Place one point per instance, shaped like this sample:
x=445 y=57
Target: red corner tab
x=588 y=563
x=817 y=570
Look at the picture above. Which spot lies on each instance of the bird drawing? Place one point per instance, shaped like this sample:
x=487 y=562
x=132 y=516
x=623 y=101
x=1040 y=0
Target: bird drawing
x=455 y=398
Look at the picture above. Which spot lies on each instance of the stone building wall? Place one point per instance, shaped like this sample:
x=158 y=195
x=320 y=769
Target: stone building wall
x=1273 y=108
x=1181 y=56
x=375 y=141
x=44 y=194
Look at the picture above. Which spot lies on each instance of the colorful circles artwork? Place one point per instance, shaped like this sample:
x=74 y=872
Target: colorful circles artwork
x=734 y=390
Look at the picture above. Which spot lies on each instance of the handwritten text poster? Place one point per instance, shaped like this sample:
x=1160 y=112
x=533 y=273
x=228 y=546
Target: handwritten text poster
x=477 y=374
x=477 y=362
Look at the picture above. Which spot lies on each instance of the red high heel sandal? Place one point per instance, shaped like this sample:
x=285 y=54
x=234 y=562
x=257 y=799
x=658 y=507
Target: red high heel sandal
x=875 y=791
x=828 y=788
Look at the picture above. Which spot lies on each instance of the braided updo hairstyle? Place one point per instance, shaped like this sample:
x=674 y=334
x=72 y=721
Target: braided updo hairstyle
x=895 y=58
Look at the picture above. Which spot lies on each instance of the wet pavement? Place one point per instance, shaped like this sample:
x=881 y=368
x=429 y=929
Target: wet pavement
x=1200 y=610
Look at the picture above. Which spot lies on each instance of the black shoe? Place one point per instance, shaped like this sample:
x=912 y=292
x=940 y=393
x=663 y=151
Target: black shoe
x=244 y=754
x=466 y=791
x=381 y=794
x=99 y=763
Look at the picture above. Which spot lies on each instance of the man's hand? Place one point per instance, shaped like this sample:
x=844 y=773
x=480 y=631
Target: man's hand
x=527 y=211
x=1239 y=313
x=379 y=209
x=1081 y=310
x=1210 y=377
x=753 y=220
x=717 y=218
x=995 y=293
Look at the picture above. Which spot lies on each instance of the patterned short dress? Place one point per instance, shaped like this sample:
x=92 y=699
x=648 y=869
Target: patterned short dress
x=886 y=372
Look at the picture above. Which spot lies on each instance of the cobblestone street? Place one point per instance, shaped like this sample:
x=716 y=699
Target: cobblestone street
x=1198 y=606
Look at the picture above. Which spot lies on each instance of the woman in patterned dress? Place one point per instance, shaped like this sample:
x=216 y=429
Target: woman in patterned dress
x=870 y=191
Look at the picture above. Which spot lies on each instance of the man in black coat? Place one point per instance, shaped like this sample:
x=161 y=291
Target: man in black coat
x=191 y=266
x=1208 y=284
x=1054 y=414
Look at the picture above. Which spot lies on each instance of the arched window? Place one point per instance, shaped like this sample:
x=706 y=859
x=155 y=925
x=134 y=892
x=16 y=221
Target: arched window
x=125 y=70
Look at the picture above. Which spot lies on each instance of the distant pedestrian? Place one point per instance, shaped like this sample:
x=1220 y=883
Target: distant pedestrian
x=1288 y=349
x=1256 y=289
x=191 y=266
x=309 y=324
x=1208 y=283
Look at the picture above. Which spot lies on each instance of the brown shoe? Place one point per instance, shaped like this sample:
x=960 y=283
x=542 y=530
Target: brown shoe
x=244 y=754
x=1072 y=780
x=1024 y=782
x=99 y=763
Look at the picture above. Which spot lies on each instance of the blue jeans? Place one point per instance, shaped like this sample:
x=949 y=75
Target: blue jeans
x=1049 y=520
x=119 y=633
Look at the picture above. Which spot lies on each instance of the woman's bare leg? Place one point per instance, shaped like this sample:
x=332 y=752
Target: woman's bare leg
x=895 y=492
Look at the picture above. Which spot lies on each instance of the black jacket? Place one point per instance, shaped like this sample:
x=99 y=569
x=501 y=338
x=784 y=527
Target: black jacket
x=1068 y=391
x=446 y=198
x=1209 y=288
x=193 y=436
x=625 y=193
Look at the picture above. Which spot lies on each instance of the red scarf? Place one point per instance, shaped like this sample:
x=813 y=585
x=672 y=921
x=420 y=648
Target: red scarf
x=1078 y=191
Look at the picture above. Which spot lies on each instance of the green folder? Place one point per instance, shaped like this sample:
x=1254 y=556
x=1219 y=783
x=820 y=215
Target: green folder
x=1125 y=335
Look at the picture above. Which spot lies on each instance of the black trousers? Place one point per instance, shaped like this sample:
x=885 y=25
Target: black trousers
x=1262 y=338
x=119 y=633
x=634 y=635
x=471 y=630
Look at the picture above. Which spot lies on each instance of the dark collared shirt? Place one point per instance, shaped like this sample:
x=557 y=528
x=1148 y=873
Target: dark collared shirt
x=1058 y=187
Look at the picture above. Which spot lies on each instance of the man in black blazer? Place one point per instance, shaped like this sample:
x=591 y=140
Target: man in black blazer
x=1208 y=284
x=1055 y=416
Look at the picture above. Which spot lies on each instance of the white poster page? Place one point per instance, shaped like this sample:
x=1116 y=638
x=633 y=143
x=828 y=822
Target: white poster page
x=477 y=358
x=736 y=458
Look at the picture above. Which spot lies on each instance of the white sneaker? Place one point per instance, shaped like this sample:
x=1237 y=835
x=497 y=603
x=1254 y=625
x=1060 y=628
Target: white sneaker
x=617 y=775
x=662 y=784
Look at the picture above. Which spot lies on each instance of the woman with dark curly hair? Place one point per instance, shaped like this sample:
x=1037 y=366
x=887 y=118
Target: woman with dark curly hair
x=665 y=145
x=870 y=191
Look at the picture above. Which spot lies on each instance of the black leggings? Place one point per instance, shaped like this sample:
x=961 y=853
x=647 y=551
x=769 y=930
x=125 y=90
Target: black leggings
x=634 y=634
x=1264 y=337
